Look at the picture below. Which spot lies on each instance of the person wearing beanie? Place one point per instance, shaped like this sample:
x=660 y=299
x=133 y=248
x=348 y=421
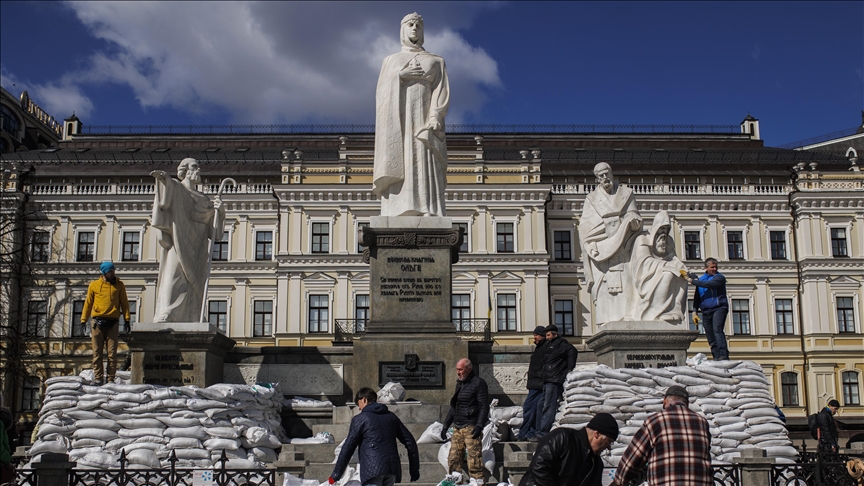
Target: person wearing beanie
x=559 y=358
x=530 y=417
x=674 y=443
x=106 y=301
x=827 y=431
x=568 y=456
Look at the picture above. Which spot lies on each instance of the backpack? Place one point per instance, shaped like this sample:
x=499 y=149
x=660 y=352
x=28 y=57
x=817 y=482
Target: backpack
x=813 y=425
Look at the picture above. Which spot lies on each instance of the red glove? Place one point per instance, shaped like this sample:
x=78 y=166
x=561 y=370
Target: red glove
x=331 y=480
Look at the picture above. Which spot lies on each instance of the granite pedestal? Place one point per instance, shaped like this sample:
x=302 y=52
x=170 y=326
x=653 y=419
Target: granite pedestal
x=642 y=344
x=410 y=337
x=178 y=353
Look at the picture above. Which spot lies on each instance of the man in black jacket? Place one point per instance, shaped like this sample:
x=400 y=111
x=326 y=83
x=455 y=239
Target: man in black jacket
x=569 y=457
x=559 y=358
x=828 y=427
x=530 y=417
x=469 y=412
x=375 y=430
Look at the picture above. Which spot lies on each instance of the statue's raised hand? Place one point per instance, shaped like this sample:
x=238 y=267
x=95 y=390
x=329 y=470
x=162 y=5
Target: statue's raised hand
x=159 y=174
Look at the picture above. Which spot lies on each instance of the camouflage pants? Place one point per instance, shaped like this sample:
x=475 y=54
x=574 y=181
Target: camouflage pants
x=460 y=441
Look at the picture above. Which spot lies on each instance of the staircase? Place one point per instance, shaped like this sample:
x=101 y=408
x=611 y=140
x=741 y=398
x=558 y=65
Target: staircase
x=316 y=461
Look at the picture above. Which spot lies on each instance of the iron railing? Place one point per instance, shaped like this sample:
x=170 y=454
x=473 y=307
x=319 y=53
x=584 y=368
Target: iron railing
x=724 y=475
x=821 y=138
x=474 y=329
x=368 y=128
x=348 y=329
x=815 y=469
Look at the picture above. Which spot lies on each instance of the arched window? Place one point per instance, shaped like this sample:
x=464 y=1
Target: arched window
x=789 y=388
x=851 y=395
x=10 y=121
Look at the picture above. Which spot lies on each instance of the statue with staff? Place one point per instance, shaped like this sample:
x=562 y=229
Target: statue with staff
x=186 y=223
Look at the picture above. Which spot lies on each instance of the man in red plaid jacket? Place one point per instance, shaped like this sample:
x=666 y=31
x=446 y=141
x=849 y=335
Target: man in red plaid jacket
x=674 y=443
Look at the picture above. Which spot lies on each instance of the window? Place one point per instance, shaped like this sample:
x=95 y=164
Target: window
x=40 y=250
x=505 y=237
x=692 y=246
x=507 y=312
x=360 y=227
x=778 y=245
x=133 y=316
x=845 y=314
x=789 y=386
x=735 y=244
x=361 y=312
x=783 y=316
x=262 y=323
x=690 y=315
x=86 y=246
x=319 y=313
x=460 y=310
x=464 y=227
x=564 y=316
x=30 y=393
x=37 y=319
x=264 y=245
x=217 y=312
x=850 y=388
x=130 y=246
x=562 y=245
x=79 y=329
x=740 y=316
x=838 y=242
x=220 y=248
x=11 y=124
x=320 y=237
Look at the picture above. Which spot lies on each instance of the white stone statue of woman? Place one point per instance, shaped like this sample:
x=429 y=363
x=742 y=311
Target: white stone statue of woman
x=661 y=291
x=185 y=220
x=412 y=98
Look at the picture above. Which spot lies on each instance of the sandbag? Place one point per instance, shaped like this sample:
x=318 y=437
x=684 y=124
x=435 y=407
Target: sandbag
x=142 y=423
x=100 y=434
x=223 y=432
x=133 y=433
x=100 y=460
x=192 y=453
x=432 y=434
x=143 y=457
x=43 y=446
x=184 y=443
x=193 y=432
x=98 y=424
x=220 y=444
x=264 y=454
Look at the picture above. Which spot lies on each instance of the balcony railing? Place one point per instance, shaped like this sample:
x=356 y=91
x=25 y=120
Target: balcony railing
x=682 y=189
x=349 y=329
x=473 y=329
x=139 y=188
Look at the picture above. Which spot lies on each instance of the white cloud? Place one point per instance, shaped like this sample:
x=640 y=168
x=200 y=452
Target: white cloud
x=59 y=99
x=273 y=62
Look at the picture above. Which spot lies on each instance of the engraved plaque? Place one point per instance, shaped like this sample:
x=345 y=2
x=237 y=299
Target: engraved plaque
x=427 y=374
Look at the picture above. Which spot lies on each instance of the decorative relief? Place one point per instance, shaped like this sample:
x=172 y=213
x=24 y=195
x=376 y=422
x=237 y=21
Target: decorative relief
x=293 y=379
x=506 y=378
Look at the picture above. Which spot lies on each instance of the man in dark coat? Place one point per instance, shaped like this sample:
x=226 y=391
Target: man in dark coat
x=559 y=358
x=828 y=427
x=530 y=417
x=569 y=457
x=469 y=412
x=375 y=430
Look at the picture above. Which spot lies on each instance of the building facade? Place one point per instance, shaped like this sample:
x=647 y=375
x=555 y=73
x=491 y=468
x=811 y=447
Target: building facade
x=786 y=225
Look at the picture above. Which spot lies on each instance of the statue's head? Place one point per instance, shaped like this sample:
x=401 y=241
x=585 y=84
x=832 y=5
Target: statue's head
x=660 y=233
x=603 y=175
x=411 y=33
x=189 y=169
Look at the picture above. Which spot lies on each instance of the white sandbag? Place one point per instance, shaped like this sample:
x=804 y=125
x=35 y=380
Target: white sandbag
x=134 y=433
x=778 y=451
x=220 y=444
x=238 y=464
x=142 y=423
x=392 y=392
x=443 y=453
x=128 y=388
x=608 y=372
x=82 y=443
x=98 y=424
x=295 y=481
x=603 y=409
x=150 y=438
x=665 y=382
x=76 y=454
x=57 y=405
x=100 y=460
x=765 y=420
x=150 y=446
x=43 y=446
x=116 y=405
x=173 y=403
x=222 y=432
x=739 y=436
x=184 y=443
x=638 y=381
x=691 y=380
x=64 y=379
x=143 y=457
x=100 y=434
x=119 y=443
x=193 y=432
x=759 y=412
x=48 y=429
x=91 y=404
x=763 y=429
x=192 y=453
x=432 y=434
x=81 y=414
x=733 y=427
x=62 y=385
x=179 y=421
x=133 y=397
x=264 y=454
x=205 y=404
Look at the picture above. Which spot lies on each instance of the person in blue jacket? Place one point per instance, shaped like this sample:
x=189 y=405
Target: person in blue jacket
x=375 y=431
x=710 y=299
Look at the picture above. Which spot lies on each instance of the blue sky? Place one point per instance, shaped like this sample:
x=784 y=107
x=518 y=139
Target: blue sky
x=796 y=66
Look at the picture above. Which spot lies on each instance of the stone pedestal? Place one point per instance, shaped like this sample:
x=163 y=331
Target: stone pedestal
x=642 y=344
x=178 y=353
x=53 y=469
x=410 y=337
x=756 y=470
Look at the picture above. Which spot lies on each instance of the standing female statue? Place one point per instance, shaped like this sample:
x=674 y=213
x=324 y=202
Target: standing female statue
x=410 y=151
x=184 y=220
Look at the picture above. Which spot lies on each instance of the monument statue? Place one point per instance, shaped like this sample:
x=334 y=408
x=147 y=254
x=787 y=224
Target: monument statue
x=609 y=224
x=411 y=102
x=661 y=290
x=185 y=220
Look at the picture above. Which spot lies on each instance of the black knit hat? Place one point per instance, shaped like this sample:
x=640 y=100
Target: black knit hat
x=605 y=424
x=677 y=391
x=834 y=403
x=552 y=327
x=540 y=330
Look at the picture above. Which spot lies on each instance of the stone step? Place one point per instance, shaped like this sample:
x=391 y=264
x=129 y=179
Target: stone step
x=430 y=472
x=340 y=431
x=324 y=453
x=408 y=412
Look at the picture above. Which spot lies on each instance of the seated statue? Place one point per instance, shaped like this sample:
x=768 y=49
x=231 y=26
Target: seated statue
x=661 y=292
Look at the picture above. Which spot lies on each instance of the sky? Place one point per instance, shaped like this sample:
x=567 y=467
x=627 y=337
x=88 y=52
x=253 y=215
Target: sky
x=798 y=67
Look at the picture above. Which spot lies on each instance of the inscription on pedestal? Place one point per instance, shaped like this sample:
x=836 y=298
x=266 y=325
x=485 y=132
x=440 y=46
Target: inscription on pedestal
x=403 y=281
x=426 y=374
x=649 y=360
x=168 y=369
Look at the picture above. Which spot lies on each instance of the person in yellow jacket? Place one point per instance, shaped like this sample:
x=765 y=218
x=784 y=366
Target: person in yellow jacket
x=106 y=300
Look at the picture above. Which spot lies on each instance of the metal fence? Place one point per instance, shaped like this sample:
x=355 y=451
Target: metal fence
x=724 y=475
x=816 y=469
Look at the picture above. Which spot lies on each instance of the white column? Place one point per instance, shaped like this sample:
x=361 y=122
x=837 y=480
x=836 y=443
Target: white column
x=539 y=223
x=284 y=224
x=484 y=296
x=58 y=323
x=762 y=320
x=111 y=228
x=241 y=310
x=65 y=244
x=282 y=309
x=529 y=307
x=483 y=222
x=757 y=230
x=342 y=302
x=147 y=302
x=341 y=231
x=859 y=244
x=295 y=302
x=528 y=230
x=542 y=318
x=242 y=241
x=295 y=234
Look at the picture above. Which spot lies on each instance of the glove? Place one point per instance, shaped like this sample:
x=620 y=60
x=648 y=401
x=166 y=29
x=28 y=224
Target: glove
x=415 y=475
x=696 y=319
x=330 y=480
x=444 y=434
x=477 y=432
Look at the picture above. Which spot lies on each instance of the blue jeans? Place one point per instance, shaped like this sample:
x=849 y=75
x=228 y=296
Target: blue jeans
x=552 y=393
x=383 y=480
x=530 y=417
x=714 y=321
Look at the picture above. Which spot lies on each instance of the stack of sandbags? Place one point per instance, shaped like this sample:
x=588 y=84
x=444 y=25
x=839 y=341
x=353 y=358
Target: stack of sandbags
x=512 y=416
x=93 y=424
x=733 y=396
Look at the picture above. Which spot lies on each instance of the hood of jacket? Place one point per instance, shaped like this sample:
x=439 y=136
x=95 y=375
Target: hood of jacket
x=376 y=407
